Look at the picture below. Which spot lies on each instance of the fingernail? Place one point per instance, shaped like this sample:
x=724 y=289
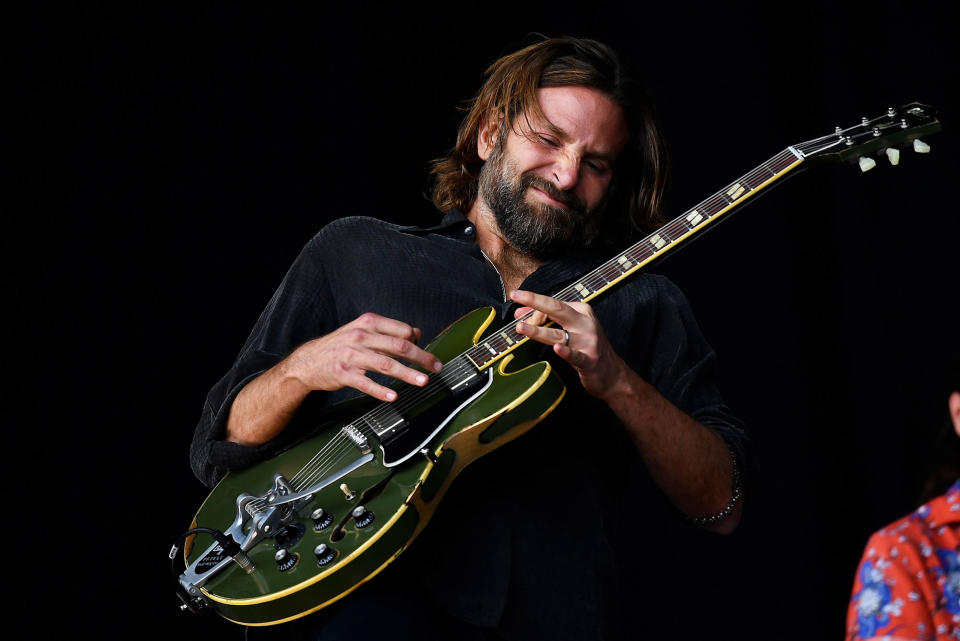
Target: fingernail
x=421 y=379
x=437 y=366
x=391 y=396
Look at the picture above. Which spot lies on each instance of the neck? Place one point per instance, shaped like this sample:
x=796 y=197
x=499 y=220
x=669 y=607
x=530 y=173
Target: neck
x=513 y=265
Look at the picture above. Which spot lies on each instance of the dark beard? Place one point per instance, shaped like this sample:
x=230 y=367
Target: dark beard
x=536 y=229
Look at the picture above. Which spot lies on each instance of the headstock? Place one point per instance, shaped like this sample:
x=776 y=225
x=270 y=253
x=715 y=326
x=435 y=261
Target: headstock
x=880 y=136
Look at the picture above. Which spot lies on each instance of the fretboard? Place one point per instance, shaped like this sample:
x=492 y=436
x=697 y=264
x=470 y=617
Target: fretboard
x=501 y=342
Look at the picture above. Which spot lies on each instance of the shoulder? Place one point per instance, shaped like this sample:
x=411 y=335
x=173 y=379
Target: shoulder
x=351 y=229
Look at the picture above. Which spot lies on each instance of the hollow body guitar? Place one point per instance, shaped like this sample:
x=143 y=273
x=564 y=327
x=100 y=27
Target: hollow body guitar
x=311 y=525
x=372 y=512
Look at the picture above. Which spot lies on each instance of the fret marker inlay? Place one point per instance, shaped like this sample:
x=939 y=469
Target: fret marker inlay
x=694 y=217
x=624 y=262
x=583 y=291
x=736 y=191
x=657 y=241
x=492 y=351
x=506 y=338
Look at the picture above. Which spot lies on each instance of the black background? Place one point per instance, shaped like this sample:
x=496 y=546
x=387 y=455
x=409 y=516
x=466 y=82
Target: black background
x=169 y=164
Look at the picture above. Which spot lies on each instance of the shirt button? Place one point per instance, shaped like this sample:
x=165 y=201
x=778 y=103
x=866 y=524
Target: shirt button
x=468 y=230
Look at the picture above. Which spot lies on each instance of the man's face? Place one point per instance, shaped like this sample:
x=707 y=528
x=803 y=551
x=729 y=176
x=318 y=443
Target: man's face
x=547 y=191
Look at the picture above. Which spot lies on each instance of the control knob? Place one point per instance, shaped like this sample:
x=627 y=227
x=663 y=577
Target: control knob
x=325 y=554
x=362 y=517
x=284 y=559
x=321 y=519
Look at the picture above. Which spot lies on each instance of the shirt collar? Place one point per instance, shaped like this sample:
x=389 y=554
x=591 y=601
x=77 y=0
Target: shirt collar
x=946 y=508
x=452 y=220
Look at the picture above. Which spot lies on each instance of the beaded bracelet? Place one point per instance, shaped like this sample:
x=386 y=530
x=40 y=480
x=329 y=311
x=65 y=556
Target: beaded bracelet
x=731 y=504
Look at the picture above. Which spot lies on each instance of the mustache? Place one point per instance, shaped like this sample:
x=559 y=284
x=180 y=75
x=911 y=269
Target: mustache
x=569 y=200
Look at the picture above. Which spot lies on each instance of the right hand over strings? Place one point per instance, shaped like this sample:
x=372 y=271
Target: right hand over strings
x=371 y=343
x=342 y=358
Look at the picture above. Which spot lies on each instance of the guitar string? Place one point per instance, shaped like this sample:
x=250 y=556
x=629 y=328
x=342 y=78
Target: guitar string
x=672 y=227
x=318 y=464
x=333 y=450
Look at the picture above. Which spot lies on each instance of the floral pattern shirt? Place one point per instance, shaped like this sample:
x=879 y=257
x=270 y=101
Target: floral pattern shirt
x=908 y=582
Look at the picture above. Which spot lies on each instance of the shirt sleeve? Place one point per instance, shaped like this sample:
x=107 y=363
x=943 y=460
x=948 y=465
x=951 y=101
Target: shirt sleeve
x=301 y=309
x=671 y=353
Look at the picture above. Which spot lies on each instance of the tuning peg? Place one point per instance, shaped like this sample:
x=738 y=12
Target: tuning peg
x=866 y=164
x=893 y=155
x=920 y=147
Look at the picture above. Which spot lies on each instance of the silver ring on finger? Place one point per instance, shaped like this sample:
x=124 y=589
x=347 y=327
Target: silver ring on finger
x=566 y=338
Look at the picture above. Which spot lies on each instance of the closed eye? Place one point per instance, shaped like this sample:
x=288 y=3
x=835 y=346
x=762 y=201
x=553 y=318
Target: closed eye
x=598 y=167
x=549 y=142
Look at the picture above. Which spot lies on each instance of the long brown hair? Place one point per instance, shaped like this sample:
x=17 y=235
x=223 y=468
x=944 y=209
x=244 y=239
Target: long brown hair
x=511 y=88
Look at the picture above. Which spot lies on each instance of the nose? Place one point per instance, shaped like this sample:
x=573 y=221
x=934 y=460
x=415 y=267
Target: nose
x=566 y=171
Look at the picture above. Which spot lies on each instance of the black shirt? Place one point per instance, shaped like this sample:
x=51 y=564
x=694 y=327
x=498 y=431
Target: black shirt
x=526 y=533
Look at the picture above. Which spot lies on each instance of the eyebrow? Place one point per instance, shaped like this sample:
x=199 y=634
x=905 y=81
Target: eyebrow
x=540 y=128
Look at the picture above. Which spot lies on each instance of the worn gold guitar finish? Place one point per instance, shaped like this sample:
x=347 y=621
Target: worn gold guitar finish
x=311 y=525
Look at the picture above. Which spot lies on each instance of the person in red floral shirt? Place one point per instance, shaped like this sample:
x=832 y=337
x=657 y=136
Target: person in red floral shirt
x=908 y=583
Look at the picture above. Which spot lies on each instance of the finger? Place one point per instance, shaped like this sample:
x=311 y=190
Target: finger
x=572 y=356
x=545 y=335
x=401 y=348
x=551 y=307
x=367 y=386
x=383 y=325
x=375 y=362
x=533 y=317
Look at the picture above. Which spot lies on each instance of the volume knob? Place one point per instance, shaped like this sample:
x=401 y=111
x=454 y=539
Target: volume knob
x=284 y=559
x=325 y=554
x=321 y=519
x=362 y=517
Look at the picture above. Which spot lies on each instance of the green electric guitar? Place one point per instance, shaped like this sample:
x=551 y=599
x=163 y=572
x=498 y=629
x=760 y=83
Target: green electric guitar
x=294 y=534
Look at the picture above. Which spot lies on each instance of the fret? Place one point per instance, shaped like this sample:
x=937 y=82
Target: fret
x=505 y=339
x=611 y=271
x=716 y=204
x=782 y=160
x=753 y=179
x=478 y=360
x=593 y=281
x=765 y=166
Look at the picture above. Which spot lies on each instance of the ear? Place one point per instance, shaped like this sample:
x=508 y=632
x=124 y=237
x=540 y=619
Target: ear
x=954 y=404
x=488 y=134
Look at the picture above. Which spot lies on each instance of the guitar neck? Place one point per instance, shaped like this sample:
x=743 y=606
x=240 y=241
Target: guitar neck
x=680 y=229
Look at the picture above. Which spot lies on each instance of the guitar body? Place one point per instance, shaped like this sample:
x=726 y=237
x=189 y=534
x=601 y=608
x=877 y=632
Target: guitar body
x=399 y=497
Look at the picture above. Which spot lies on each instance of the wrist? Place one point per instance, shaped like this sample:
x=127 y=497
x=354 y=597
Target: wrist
x=626 y=388
x=291 y=374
